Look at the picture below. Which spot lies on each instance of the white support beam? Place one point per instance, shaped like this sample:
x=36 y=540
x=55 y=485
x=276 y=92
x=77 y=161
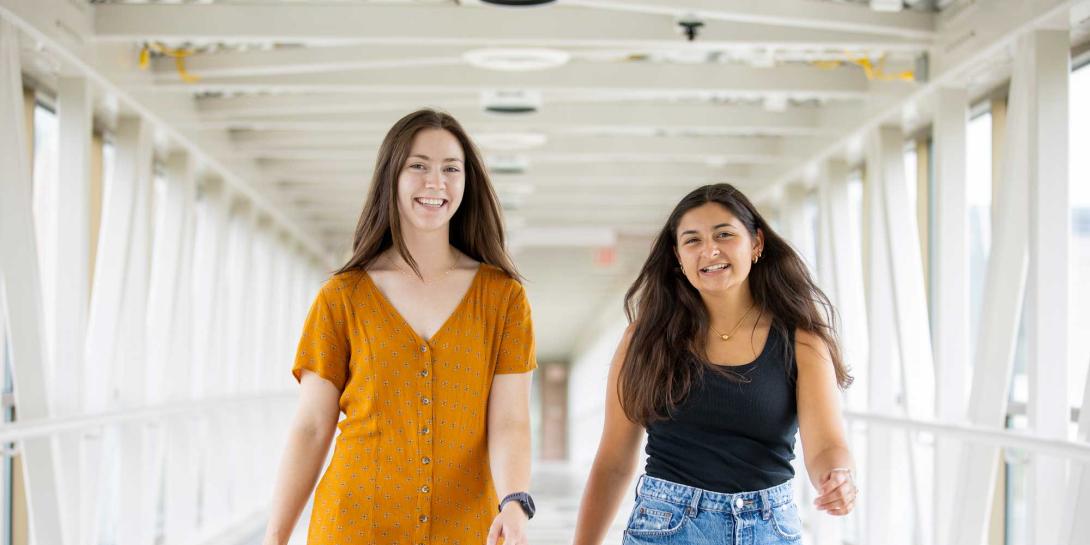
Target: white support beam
x=221 y=107
x=950 y=287
x=71 y=286
x=59 y=28
x=1047 y=288
x=1000 y=315
x=909 y=311
x=631 y=78
x=133 y=175
x=309 y=60
x=360 y=171
x=452 y=25
x=164 y=293
x=847 y=272
x=974 y=40
x=885 y=519
x=788 y=13
x=333 y=146
x=20 y=282
x=558 y=119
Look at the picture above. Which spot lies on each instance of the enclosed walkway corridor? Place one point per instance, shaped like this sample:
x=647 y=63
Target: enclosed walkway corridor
x=179 y=177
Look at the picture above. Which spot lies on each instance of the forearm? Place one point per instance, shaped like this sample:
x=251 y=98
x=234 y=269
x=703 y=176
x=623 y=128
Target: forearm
x=605 y=490
x=831 y=457
x=299 y=469
x=509 y=455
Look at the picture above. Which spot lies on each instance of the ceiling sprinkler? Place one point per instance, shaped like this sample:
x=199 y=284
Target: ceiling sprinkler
x=690 y=26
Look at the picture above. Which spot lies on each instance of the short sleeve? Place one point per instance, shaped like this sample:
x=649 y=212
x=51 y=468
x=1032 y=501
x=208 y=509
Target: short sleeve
x=323 y=346
x=517 y=353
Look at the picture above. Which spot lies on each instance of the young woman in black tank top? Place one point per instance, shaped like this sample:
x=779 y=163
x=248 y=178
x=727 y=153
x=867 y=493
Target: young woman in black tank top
x=731 y=349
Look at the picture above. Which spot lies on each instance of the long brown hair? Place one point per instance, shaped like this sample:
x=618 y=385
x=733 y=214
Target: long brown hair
x=476 y=229
x=667 y=352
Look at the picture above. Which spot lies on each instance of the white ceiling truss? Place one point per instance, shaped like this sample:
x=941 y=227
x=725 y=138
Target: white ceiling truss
x=293 y=97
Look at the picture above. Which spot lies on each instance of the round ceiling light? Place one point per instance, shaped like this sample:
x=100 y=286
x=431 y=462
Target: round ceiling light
x=520 y=59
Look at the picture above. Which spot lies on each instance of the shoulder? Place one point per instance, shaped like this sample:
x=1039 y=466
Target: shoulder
x=341 y=286
x=498 y=282
x=810 y=349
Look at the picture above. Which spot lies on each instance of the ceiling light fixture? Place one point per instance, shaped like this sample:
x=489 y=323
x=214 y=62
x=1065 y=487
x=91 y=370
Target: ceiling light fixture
x=516 y=59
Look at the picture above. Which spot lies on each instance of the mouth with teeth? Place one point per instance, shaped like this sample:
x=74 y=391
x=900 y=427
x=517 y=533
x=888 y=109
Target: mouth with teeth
x=714 y=268
x=430 y=203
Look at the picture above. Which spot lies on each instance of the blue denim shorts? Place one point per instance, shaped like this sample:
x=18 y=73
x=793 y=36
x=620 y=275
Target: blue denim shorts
x=667 y=512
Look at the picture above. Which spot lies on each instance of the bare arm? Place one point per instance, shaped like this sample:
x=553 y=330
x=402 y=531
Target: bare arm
x=308 y=443
x=820 y=423
x=615 y=463
x=509 y=451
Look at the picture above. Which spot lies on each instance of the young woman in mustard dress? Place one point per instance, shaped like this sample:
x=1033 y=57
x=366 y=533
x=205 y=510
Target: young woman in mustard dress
x=424 y=341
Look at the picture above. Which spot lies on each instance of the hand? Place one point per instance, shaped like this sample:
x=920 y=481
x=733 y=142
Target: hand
x=510 y=524
x=838 y=492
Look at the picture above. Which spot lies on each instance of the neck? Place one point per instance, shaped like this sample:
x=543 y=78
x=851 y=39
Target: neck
x=431 y=250
x=725 y=309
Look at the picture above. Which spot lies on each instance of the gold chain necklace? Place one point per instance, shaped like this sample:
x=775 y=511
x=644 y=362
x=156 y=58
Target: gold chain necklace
x=421 y=277
x=726 y=337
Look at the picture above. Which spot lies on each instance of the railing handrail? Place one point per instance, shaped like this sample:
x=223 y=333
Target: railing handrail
x=20 y=430
x=979 y=434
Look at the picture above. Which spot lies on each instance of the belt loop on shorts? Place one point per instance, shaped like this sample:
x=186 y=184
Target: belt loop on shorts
x=639 y=482
x=766 y=506
x=694 y=504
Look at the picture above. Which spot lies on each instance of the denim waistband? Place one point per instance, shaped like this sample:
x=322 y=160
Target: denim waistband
x=707 y=500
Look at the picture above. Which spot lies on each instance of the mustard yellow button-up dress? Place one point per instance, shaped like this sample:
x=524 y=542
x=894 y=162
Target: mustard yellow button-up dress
x=410 y=464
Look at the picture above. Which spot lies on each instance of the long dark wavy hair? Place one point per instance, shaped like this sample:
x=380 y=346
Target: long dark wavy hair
x=476 y=229
x=667 y=351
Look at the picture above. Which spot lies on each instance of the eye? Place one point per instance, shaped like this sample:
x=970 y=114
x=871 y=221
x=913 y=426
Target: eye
x=453 y=169
x=417 y=166
x=723 y=234
x=691 y=240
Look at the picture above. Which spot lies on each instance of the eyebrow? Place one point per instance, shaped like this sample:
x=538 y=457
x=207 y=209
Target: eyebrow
x=426 y=158
x=695 y=232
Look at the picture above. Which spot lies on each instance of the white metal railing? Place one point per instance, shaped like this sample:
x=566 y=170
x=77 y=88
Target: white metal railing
x=18 y=431
x=990 y=436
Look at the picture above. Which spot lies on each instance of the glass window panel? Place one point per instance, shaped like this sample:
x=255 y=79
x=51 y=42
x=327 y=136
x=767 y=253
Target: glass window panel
x=979 y=182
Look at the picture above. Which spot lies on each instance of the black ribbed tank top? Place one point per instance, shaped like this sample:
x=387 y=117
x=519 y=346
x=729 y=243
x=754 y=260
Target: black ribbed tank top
x=729 y=436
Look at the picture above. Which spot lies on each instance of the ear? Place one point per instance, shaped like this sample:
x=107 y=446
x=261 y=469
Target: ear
x=759 y=241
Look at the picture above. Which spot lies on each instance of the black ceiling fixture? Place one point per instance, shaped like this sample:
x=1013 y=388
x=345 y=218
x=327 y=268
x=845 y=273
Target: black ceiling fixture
x=517 y=3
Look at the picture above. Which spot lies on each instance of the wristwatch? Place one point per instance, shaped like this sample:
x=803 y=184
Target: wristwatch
x=524 y=500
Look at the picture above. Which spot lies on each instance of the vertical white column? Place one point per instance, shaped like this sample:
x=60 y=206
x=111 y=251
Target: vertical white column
x=72 y=286
x=951 y=290
x=884 y=522
x=133 y=170
x=164 y=297
x=910 y=315
x=20 y=282
x=1004 y=288
x=1047 y=285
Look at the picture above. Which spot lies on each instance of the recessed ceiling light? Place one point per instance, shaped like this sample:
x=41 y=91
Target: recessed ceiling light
x=516 y=59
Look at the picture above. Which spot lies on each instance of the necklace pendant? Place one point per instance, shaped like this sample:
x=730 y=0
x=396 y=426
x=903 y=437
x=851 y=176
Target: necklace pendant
x=725 y=337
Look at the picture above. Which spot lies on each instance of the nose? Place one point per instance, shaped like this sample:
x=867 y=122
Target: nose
x=434 y=179
x=713 y=252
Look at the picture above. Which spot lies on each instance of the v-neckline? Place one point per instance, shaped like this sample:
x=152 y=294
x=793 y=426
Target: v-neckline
x=405 y=323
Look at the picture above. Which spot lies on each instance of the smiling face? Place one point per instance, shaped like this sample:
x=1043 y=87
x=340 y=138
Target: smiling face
x=432 y=181
x=715 y=250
